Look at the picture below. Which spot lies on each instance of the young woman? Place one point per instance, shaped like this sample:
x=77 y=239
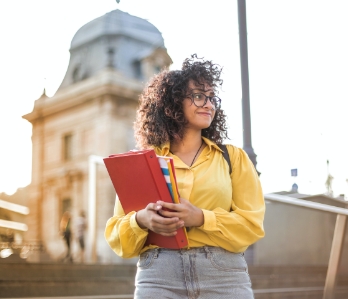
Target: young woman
x=65 y=228
x=180 y=116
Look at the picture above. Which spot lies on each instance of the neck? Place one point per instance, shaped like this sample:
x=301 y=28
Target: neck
x=190 y=143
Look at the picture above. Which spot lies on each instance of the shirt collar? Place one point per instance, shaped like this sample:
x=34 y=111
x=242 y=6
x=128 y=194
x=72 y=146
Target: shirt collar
x=165 y=148
x=211 y=144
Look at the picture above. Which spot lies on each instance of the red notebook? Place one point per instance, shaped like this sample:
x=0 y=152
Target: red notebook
x=138 y=181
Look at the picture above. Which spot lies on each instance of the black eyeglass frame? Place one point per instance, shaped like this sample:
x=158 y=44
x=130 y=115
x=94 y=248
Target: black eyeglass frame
x=191 y=96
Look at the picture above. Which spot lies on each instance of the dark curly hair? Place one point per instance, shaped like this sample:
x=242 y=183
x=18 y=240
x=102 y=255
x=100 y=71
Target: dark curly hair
x=160 y=116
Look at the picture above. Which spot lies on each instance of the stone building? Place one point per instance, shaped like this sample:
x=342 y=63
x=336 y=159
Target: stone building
x=92 y=113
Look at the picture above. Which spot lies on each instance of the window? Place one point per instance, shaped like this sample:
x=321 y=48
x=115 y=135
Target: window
x=67 y=147
x=76 y=74
x=157 y=69
x=66 y=205
x=137 y=69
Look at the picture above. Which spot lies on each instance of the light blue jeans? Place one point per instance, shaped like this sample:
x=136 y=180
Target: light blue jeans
x=197 y=273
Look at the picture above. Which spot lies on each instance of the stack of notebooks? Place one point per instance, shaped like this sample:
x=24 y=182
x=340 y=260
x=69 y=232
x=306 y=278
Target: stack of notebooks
x=140 y=178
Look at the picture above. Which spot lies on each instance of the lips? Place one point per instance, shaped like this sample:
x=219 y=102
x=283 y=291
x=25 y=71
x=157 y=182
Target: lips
x=206 y=114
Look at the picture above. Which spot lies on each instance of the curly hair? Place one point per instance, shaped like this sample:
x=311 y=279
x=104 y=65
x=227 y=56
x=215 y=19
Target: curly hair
x=160 y=116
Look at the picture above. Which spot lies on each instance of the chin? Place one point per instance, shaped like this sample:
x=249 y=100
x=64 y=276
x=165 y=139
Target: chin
x=205 y=126
x=200 y=125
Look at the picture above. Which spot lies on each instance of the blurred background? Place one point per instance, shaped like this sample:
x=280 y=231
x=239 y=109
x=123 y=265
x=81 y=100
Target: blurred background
x=297 y=68
x=71 y=73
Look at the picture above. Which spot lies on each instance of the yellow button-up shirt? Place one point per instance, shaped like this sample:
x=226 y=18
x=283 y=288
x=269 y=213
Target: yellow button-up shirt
x=233 y=206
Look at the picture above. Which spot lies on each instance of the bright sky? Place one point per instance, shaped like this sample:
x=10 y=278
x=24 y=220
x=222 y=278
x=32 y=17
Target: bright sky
x=298 y=66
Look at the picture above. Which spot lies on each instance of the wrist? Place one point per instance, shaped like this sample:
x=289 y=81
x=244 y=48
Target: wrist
x=199 y=218
x=138 y=219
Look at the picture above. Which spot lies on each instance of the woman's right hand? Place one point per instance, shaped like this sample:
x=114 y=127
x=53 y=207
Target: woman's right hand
x=149 y=218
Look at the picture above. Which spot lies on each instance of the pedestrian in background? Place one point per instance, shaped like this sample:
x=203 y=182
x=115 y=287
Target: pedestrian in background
x=65 y=229
x=81 y=226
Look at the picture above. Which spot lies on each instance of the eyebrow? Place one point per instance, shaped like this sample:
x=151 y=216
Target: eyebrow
x=202 y=90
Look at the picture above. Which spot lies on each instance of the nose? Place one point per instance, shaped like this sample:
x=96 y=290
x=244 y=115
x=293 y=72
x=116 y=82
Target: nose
x=209 y=104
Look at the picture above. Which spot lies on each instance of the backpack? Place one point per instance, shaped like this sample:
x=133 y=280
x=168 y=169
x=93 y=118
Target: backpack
x=226 y=156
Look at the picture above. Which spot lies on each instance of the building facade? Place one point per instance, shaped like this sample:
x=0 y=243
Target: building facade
x=92 y=113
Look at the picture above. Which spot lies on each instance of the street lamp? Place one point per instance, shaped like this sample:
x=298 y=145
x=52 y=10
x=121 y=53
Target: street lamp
x=243 y=48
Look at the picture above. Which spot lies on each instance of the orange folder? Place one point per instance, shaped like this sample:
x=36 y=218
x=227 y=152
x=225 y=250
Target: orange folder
x=138 y=181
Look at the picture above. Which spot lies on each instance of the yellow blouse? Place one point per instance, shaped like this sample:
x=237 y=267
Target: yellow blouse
x=233 y=206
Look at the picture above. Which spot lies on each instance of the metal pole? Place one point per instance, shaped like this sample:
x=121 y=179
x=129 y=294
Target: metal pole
x=335 y=256
x=243 y=46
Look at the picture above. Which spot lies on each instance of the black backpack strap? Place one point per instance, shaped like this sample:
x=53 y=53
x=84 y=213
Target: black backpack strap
x=223 y=147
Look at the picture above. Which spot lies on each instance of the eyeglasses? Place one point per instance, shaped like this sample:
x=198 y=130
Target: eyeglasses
x=200 y=99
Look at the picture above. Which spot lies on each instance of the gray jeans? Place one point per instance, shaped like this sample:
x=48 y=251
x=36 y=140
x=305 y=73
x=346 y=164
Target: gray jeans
x=197 y=273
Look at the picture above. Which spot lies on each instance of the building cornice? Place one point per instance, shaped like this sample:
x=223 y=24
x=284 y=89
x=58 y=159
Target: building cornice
x=107 y=81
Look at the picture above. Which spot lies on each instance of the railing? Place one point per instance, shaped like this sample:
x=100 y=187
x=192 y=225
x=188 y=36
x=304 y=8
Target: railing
x=338 y=238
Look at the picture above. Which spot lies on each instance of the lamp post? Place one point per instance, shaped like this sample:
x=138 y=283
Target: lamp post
x=243 y=48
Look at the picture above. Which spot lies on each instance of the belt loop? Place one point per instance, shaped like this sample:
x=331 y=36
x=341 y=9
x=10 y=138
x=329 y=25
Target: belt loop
x=207 y=251
x=156 y=253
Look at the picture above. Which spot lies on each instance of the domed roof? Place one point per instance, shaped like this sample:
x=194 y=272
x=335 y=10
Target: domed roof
x=118 y=22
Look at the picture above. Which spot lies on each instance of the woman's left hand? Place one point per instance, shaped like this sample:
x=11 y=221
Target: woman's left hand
x=190 y=214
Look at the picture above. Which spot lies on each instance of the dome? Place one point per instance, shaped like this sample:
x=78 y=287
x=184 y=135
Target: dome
x=118 y=22
x=118 y=41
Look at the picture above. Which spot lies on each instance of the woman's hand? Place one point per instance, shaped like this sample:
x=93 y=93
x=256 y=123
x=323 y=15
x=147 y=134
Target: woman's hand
x=190 y=214
x=149 y=218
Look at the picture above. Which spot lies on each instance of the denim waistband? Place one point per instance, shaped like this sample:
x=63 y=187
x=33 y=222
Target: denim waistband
x=203 y=249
